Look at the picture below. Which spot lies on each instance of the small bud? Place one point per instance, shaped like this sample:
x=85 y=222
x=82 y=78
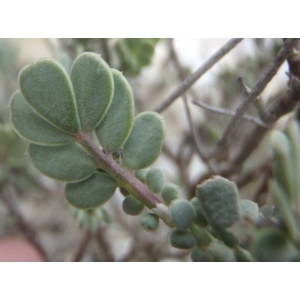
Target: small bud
x=182 y=213
x=181 y=239
x=200 y=219
x=169 y=192
x=200 y=255
x=141 y=174
x=132 y=206
x=155 y=180
x=149 y=221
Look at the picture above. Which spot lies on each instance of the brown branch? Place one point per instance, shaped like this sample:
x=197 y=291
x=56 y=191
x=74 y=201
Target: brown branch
x=9 y=199
x=226 y=112
x=257 y=90
x=181 y=75
x=82 y=246
x=104 y=244
x=191 y=79
x=123 y=177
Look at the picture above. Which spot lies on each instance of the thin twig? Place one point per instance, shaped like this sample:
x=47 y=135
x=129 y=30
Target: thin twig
x=82 y=246
x=191 y=79
x=185 y=102
x=104 y=244
x=9 y=199
x=224 y=111
x=257 y=90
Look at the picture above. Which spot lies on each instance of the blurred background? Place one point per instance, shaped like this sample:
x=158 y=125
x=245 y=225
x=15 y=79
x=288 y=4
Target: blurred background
x=33 y=206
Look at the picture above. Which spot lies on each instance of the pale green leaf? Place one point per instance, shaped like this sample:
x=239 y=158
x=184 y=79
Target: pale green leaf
x=92 y=192
x=68 y=163
x=47 y=88
x=30 y=126
x=93 y=86
x=144 y=144
x=115 y=128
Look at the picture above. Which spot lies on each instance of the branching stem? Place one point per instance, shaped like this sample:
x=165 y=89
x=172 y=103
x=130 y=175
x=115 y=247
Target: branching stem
x=123 y=177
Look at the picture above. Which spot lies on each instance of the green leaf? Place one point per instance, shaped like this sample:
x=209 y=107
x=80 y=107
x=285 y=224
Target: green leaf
x=47 y=88
x=149 y=221
x=93 y=86
x=155 y=180
x=92 y=192
x=181 y=239
x=68 y=163
x=270 y=244
x=169 y=192
x=249 y=208
x=115 y=128
x=144 y=144
x=182 y=213
x=200 y=255
x=31 y=127
x=219 y=201
x=132 y=206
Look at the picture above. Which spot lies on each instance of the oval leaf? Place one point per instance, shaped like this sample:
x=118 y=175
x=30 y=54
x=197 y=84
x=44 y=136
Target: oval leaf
x=115 y=128
x=92 y=192
x=47 y=88
x=145 y=141
x=31 y=127
x=68 y=163
x=93 y=86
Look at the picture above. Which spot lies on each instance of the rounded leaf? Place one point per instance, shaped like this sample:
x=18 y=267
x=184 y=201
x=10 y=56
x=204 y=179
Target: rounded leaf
x=149 y=221
x=249 y=208
x=200 y=255
x=68 y=163
x=132 y=206
x=92 y=192
x=219 y=201
x=155 y=180
x=144 y=144
x=181 y=239
x=47 y=88
x=169 y=192
x=220 y=252
x=200 y=218
x=182 y=213
x=32 y=127
x=117 y=123
x=93 y=86
x=123 y=191
x=270 y=244
x=141 y=174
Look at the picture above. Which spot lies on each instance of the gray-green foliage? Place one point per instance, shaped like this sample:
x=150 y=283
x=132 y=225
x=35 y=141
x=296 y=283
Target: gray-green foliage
x=144 y=144
x=181 y=239
x=93 y=87
x=53 y=111
x=219 y=201
x=182 y=213
x=132 y=206
x=149 y=221
x=169 y=192
x=155 y=180
x=115 y=128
